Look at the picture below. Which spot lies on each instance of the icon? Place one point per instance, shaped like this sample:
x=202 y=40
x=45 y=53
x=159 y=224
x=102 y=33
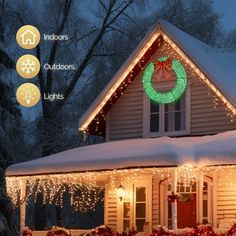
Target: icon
x=28 y=66
x=28 y=95
x=28 y=37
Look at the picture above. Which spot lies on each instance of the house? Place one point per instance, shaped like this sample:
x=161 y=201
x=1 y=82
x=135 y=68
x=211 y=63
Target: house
x=28 y=37
x=168 y=118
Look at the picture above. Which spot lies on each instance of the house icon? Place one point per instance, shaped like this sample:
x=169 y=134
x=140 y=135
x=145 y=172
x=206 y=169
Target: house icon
x=28 y=38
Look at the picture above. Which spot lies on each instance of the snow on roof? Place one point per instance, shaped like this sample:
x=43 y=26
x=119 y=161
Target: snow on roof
x=164 y=151
x=218 y=64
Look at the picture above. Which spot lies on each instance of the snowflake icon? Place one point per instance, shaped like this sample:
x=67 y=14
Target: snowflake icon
x=28 y=66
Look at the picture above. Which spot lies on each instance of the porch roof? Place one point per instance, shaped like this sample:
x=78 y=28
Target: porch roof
x=217 y=149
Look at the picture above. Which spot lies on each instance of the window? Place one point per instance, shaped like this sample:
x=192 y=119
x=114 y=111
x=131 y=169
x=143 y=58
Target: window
x=139 y=215
x=126 y=216
x=205 y=203
x=166 y=119
x=154 y=117
x=175 y=116
x=140 y=208
x=136 y=207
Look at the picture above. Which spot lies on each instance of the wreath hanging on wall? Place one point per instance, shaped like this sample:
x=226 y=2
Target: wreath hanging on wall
x=163 y=64
x=184 y=198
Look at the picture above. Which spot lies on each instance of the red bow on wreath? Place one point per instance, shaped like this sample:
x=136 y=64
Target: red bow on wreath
x=163 y=67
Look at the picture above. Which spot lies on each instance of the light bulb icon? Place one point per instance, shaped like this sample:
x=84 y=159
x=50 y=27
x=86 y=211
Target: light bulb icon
x=28 y=95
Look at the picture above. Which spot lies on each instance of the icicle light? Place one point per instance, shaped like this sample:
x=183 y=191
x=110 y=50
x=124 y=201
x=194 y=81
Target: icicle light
x=86 y=189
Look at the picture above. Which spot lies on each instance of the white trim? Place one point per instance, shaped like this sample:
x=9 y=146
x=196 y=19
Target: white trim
x=164 y=217
x=174 y=208
x=214 y=207
x=22 y=205
x=106 y=206
x=210 y=197
x=199 y=202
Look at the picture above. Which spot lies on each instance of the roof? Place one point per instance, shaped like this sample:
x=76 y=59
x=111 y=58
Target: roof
x=164 y=151
x=218 y=65
x=28 y=31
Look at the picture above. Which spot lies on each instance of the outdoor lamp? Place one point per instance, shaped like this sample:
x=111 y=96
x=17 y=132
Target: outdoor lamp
x=120 y=192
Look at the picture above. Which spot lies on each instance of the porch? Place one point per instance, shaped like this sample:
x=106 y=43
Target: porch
x=141 y=197
x=144 y=182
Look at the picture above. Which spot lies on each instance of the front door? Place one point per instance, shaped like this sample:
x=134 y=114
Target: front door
x=186 y=212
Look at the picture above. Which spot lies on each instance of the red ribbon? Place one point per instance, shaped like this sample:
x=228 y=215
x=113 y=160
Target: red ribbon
x=163 y=67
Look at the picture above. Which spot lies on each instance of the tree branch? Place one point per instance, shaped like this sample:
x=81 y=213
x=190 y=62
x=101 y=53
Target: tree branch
x=52 y=56
x=41 y=82
x=105 y=24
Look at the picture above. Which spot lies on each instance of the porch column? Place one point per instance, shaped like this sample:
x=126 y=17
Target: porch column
x=22 y=205
x=214 y=197
x=174 y=204
x=200 y=199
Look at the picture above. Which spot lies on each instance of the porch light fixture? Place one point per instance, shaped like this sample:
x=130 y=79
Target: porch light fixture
x=120 y=192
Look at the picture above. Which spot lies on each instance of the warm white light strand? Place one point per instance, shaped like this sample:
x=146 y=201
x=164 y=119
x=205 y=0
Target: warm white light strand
x=225 y=101
x=87 y=189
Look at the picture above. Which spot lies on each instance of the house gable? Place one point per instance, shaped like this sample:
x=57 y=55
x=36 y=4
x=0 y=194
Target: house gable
x=93 y=120
x=207 y=113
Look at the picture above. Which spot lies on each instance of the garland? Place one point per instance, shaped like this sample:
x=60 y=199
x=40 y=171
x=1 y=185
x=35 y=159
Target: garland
x=172 y=197
x=105 y=230
x=27 y=232
x=58 y=231
x=162 y=65
x=186 y=198
x=200 y=230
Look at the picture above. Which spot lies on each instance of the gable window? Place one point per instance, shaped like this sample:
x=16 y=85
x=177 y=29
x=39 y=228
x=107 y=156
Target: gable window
x=166 y=119
x=175 y=116
x=154 y=117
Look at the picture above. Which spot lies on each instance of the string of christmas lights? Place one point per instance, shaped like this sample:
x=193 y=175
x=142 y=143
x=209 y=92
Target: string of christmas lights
x=87 y=189
x=95 y=123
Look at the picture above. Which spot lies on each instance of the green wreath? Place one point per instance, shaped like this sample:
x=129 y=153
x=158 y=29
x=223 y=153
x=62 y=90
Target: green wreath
x=172 y=95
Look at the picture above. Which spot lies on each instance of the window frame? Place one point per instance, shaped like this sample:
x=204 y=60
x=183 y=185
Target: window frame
x=162 y=132
x=130 y=188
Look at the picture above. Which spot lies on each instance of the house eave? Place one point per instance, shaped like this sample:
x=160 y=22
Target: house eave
x=97 y=105
x=159 y=29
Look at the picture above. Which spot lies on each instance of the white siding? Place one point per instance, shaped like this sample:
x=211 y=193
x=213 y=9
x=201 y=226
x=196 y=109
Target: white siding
x=155 y=202
x=111 y=209
x=226 y=197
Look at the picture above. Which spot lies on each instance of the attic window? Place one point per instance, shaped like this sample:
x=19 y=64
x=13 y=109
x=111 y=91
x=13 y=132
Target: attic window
x=169 y=119
x=175 y=116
